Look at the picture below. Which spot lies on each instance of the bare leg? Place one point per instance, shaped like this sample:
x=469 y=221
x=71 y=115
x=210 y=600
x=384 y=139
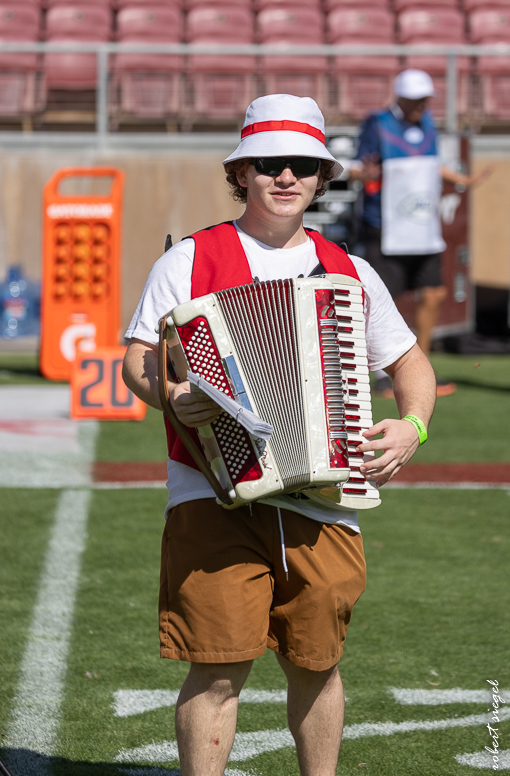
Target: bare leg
x=427 y=310
x=315 y=712
x=206 y=716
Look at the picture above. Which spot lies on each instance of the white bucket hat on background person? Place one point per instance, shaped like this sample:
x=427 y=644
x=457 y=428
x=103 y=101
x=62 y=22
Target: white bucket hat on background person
x=284 y=125
x=413 y=85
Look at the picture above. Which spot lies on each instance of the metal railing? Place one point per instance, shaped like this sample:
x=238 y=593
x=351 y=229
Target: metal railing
x=105 y=51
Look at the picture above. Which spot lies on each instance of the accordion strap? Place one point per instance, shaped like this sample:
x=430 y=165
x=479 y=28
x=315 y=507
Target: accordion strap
x=180 y=429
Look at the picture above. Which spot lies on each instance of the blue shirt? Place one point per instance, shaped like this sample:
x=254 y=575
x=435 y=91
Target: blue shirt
x=385 y=134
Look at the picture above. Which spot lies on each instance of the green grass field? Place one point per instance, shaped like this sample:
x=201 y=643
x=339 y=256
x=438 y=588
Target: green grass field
x=434 y=615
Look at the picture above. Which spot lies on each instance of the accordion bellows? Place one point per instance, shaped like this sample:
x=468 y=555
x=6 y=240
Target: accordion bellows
x=294 y=353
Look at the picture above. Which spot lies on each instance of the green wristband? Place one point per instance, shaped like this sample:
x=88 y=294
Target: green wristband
x=419 y=426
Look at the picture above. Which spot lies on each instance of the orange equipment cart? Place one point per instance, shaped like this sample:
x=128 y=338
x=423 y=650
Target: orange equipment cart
x=81 y=270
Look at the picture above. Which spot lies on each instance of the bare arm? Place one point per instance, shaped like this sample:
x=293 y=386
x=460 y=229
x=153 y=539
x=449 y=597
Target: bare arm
x=140 y=373
x=450 y=176
x=414 y=386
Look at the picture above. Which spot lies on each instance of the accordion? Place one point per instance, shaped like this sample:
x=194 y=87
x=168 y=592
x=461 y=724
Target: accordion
x=294 y=353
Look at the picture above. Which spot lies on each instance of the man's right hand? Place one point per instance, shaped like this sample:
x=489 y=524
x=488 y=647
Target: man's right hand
x=193 y=409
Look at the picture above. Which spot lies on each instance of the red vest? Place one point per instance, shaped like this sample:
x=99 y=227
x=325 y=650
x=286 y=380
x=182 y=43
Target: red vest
x=220 y=262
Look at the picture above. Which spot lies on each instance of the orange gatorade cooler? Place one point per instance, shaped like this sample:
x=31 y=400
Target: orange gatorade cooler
x=81 y=270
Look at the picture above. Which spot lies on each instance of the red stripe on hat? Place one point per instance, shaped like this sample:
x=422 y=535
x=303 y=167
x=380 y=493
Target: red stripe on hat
x=290 y=126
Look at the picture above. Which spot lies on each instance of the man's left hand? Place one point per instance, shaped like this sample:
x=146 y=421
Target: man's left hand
x=400 y=442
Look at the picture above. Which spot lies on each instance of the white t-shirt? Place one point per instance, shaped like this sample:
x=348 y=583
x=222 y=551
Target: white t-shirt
x=169 y=284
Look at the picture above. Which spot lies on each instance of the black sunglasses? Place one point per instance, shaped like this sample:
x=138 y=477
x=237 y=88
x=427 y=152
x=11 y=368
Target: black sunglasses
x=301 y=166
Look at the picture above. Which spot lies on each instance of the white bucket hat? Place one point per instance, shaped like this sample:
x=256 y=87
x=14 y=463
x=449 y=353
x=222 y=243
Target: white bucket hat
x=413 y=84
x=284 y=125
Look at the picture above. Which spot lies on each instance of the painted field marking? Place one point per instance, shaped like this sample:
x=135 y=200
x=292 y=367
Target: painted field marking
x=129 y=702
x=484 y=760
x=40 y=446
x=36 y=707
x=248 y=745
x=440 y=697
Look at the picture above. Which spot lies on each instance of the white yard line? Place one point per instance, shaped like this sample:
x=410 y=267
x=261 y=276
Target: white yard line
x=40 y=446
x=36 y=706
x=129 y=702
x=440 y=697
x=484 y=760
x=248 y=745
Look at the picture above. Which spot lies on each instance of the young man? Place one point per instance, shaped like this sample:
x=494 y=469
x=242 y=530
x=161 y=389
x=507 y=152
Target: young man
x=399 y=165
x=225 y=596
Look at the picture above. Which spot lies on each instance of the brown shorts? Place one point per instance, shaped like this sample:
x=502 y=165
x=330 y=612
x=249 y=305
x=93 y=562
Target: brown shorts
x=224 y=596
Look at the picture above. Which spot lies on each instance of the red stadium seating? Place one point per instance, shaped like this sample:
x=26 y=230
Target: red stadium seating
x=155 y=24
x=75 y=23
x=439 y=26
x=431 y=25
x=492 y=26
x=362 y=83
x=220 y=22
x=304 y=76
x=222 y=85
x=300 y=23
x=18 y=76
x=350 y=25
x=148 y=85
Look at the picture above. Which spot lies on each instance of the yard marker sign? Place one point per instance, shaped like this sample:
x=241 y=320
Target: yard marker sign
x=98 y=390
x=81 y=268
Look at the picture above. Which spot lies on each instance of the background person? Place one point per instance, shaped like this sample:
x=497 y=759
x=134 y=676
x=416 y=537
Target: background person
x=225 y=595
x=398 y=163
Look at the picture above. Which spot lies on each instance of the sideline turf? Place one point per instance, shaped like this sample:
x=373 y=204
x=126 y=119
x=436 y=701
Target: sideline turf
x=25 y=521
x=437 y=600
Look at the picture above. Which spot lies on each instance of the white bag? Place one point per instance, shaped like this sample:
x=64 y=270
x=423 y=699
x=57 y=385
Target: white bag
x=410 y=197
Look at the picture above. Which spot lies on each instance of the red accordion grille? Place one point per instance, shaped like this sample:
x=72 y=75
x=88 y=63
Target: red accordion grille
x=233 y=440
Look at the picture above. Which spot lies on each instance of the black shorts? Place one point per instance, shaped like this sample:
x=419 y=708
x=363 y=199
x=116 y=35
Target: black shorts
x=400 y=273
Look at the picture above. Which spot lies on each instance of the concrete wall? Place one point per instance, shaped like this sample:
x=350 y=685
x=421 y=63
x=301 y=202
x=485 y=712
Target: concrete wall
x=183 y=189
x=490 y=214
x=165 y=192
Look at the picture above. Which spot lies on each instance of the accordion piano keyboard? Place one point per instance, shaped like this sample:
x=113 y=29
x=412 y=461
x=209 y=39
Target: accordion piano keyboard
x=357 y=399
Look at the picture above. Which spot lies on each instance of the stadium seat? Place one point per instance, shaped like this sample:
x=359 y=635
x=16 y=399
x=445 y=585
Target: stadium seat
x=83 y=23
x=148 y=85
x=222 y=85
x=19 y=93
x=362 y=84
x=491 y=26
x=431 y=25
x=349 y=25
x=304 y=76
x=440 y=26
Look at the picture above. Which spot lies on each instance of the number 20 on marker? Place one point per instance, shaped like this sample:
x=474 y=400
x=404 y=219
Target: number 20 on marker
x=98 y=390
